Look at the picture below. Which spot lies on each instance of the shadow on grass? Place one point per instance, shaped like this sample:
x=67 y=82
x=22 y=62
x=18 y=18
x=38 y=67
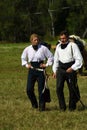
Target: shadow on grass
x=52 y=108
x=56 y=108
x=83 y=74
x=82 y=107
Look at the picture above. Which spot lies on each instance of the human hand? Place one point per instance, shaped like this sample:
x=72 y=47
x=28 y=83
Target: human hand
x=28 y=66
x=43 y=65
x=54 y=75
x=69 y=70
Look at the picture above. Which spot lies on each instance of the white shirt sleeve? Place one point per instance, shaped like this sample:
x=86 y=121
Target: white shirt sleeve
x=24 y=57
x=77 y=56
x=56 y=63
x=49 y=56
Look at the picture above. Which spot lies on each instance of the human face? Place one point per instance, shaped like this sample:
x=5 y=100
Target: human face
x=63 y=39
x=35 y=41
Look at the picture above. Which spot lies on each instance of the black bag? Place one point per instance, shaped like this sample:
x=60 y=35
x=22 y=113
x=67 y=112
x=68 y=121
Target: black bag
x=46 y=94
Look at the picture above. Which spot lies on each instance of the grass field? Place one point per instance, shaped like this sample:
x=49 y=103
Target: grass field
x=16 y=112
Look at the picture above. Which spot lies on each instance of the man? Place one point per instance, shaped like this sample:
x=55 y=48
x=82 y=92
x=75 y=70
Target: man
x=67 y=59
x=33 y=58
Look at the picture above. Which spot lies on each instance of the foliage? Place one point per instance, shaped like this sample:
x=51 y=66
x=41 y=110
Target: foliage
x=20 y=18
x=77 y=17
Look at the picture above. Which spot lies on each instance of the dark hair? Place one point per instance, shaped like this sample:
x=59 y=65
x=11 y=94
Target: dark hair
x=65 y=32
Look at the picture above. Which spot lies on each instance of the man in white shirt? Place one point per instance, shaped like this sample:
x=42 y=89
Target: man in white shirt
x=33 y=58
x=67 y=59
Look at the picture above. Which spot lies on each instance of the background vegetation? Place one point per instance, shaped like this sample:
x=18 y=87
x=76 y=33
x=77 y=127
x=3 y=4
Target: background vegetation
x=20 y=18
x=15 y=109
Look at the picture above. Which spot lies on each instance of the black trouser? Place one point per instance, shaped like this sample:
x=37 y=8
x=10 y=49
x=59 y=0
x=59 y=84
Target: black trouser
x=71 y=79
x=33 y=76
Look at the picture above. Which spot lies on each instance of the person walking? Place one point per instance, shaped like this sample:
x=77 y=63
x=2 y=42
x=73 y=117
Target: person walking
x=67 y=60
x=34 y=59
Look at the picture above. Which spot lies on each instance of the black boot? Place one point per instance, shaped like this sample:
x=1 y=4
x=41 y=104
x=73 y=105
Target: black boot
x=35 y=105
x=72 y=106
x=42 y=107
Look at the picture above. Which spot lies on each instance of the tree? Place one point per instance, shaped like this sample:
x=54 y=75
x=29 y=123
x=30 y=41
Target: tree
x=77 y=16
x=20 y=18
x=6 y=19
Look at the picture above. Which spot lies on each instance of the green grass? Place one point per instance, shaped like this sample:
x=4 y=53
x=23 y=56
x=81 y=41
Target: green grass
x=16 y=112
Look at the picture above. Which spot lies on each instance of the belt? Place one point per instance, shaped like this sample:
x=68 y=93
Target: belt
x=37 y=69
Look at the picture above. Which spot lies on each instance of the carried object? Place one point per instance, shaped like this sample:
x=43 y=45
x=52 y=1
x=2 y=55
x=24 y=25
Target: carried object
x=46 y=90
x=46 y=94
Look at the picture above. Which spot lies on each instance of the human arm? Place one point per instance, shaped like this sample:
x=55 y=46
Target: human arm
x=49 y=56
x=56 y=61
x=24 y=58
x=77 y=57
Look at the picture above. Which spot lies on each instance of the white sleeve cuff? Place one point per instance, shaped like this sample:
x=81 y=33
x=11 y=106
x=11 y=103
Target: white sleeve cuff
x=26 y=65
x=46 y=64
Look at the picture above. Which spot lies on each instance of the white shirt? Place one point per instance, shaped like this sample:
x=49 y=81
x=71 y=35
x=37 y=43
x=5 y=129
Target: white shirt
x=31 y=55
x=66 y=55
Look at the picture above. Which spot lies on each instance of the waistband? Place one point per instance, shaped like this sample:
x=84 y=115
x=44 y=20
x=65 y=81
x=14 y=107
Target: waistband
x=37 y=69
x=66 y=65
x=36 y=64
